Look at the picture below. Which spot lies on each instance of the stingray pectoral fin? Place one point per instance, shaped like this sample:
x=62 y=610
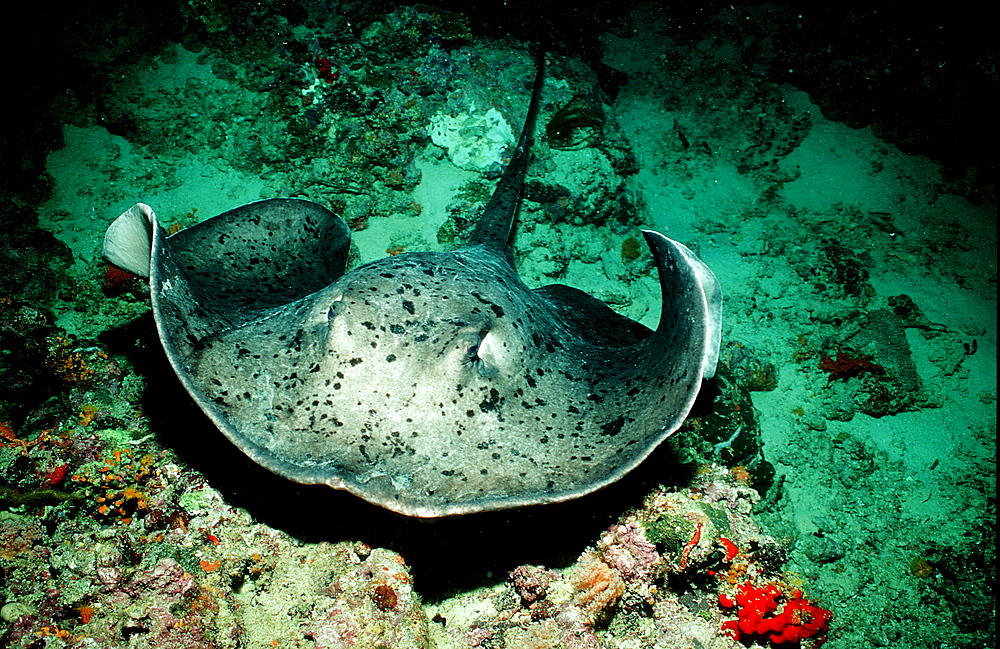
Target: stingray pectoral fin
x=689 y=289
x=590 y=319
x=264 y=254
x=129 y=239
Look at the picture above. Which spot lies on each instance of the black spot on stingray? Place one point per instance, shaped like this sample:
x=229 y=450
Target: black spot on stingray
x=355 y=361
x=408 y=307
x=633 y=392
x=390 y=358
x=530 y=380
x=397 y=329
x=368 y=325
x=492 y=402
x=613 y=427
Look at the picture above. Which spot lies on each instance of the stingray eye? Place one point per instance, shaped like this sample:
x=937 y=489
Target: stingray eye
x=473 y=347
x=336 y=308
x=472 y=353
x=478 y=354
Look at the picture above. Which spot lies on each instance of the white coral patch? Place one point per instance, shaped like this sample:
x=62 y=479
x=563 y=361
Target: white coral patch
x=474 y=141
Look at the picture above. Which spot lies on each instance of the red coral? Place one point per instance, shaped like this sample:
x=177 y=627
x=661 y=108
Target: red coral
x=846 y=366
x=799 y=619
x=116 y=279
x=325 y=71
x=385 y=597
x=695 y=539
x=731 y=548
x=55 y=477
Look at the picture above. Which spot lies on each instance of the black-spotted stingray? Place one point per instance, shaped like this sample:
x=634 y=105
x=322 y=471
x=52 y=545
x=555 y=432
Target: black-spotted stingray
x=430 y=383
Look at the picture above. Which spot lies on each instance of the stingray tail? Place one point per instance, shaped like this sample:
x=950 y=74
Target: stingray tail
x=494 y=227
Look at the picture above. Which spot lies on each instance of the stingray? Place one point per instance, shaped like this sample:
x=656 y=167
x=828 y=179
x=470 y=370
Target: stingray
x=429 y=383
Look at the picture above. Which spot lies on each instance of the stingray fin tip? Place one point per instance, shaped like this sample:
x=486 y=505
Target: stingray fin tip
x=129 y=239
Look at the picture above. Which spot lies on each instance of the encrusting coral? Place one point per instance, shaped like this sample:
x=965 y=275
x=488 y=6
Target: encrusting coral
x=599 y=585
x=757 y=614
x=665 y=575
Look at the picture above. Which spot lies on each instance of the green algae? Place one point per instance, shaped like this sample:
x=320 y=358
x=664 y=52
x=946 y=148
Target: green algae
x=11 y=497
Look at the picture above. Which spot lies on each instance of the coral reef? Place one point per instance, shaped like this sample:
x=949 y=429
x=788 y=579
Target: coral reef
x=866 y=363
x=654 y=579
x=178 y=567
x=158 y=559
x=729 y=431
x=598 y=586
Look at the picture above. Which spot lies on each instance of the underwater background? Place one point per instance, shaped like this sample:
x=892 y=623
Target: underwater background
x=835 y=167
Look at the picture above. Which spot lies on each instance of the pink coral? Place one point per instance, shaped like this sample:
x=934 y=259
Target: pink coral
x=530 y=582
x=626 y=548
